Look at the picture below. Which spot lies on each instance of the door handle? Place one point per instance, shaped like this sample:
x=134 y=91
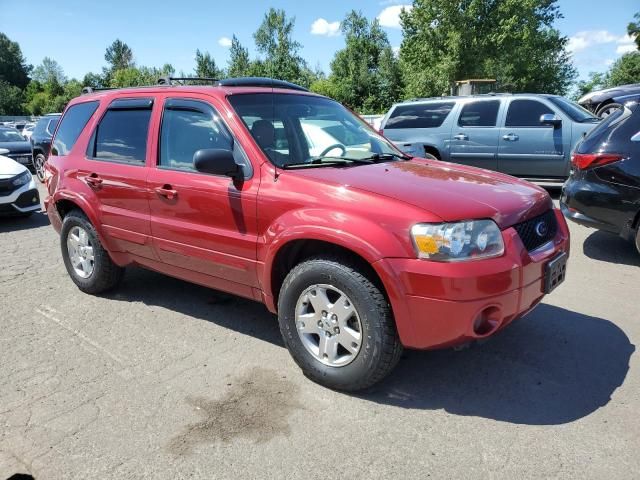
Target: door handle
x=167 y=192
x=461 y=136
x=93 y=180
x=511 y=137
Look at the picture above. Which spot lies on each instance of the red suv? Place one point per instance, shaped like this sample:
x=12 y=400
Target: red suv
x=264 y=190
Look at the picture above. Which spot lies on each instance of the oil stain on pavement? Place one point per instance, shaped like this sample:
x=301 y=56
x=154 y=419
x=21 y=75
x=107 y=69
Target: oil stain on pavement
x=256 y=406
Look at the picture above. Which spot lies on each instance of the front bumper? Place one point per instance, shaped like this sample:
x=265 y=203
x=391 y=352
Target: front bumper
x=25 y=159
x=447 y=304
x=25 y=199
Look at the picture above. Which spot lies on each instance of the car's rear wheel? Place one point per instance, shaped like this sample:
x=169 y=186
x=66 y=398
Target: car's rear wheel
x=337 y=324
x=38 y=165
x=85 y=259
x=608 y=109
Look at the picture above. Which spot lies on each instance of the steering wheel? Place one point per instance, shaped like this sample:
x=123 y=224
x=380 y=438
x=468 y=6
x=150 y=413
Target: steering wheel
x=331 y=147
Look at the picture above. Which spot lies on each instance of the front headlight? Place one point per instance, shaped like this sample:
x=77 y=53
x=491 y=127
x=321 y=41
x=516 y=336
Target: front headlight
x=22 y=179
x=454 y=242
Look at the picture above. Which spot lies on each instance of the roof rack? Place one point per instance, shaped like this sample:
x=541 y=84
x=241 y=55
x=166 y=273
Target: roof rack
x=87 y=90
x=235 y=82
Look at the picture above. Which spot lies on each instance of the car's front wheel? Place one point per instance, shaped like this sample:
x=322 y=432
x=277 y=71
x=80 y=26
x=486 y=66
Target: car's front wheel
x=337 y=324
x=85 y=259
x=608 y=109
x=38 y=165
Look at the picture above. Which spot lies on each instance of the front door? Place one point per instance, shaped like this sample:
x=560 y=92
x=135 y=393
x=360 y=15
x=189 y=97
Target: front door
x=474 y=137
x=527 y=147
x=200 y=222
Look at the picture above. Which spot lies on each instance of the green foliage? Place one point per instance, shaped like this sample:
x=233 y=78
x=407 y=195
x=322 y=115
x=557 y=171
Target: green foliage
x=365 y=75
x=139 y=76
x=14 y=69
x=239 y=63
x=512 y=40
x=11 y=98
x=49 y=71
x=596 y=81
x=625 y=70
x=119 y=55
x=633 y=29
x=206 y=66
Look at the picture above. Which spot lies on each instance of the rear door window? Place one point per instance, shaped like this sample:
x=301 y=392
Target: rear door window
x=525 y=113
x=73 y=122
x=479 y=114
x=121 y=135
x=426 y=115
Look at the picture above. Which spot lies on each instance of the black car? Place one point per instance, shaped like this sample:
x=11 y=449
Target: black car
x=603 y=189
x=605 y=102
x=19 y=148
x=41 y=141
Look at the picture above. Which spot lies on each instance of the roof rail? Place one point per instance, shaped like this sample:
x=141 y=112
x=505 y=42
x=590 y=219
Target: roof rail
x=235 y=82
x=87 y=90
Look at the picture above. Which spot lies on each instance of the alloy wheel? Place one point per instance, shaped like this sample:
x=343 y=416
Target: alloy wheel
x=80 y=252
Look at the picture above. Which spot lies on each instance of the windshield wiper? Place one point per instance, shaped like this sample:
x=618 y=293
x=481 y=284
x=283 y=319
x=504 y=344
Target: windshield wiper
x=327 y=161
x=380 y=157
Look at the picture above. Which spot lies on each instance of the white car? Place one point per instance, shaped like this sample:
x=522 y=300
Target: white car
x=18 y=192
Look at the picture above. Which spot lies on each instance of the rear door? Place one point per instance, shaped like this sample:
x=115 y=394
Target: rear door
x=474 y=136
x=528 y=148
x=201 y=222
x=115 y=170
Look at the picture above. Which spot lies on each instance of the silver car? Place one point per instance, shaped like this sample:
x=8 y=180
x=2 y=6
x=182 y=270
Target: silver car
x=526 y=135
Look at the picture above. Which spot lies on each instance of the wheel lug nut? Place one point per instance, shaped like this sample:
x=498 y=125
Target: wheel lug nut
x=336 y=330
x=320 y=323
x=328 y=334
x=334 y=318
x=324 y=314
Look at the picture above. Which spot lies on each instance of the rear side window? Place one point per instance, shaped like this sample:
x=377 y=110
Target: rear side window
x=429 y=115
x=121 y=135
x=72 y=125
x=189 y=126
x=51 y=126
x=526 y=113
x=479 y=114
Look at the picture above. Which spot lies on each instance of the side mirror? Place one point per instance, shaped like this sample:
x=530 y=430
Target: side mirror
x=216 y=161
x=550 y=120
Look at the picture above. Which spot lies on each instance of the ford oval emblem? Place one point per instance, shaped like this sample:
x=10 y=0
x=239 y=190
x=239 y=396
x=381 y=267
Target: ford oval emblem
x=542 y=229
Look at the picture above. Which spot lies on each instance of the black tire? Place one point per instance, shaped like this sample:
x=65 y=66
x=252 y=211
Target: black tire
x=638 y=239
x=106 y=274
x=380 y=346
x=38 y=166
x=607 y=109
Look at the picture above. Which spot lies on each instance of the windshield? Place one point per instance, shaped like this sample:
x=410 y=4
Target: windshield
x=305 y=130
x=575 y=111
x=10 y=136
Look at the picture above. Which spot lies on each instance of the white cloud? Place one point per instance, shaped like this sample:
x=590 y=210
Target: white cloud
x=583 y=40
x=224 y=42
x=390 y=16
x=625 y=48
x=323 y=27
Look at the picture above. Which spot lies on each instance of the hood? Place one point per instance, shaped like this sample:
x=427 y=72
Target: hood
x=599 y=95
x=452 y=192
x=17 y=147
x=9 y=167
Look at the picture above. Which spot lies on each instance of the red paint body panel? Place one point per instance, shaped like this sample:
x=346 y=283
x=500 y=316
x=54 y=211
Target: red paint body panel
x=226 y=234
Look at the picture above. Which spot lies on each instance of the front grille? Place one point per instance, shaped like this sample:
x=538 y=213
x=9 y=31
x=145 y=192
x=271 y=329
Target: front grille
x=22 y=158
x=537 y=231
x=6 y=186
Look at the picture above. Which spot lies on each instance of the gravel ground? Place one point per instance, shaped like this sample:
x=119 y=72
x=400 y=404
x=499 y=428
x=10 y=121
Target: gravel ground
x=164 y=379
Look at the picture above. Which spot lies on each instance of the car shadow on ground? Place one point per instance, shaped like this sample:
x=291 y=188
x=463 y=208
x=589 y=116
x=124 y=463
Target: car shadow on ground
x=14 y=224
x=611 y=248
x=552 y=367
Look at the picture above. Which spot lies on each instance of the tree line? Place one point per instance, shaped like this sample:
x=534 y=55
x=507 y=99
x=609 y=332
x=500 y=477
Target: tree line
x=513 y=41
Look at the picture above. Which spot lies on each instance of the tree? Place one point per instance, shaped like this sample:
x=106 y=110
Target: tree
x=49 y=71
x=596 y=81
x=633 y=29
x=625 y=70
x=512 y=41
x=119 y=56
x=11 y=98
x=274 y=40
x=365 y=75
x=139 y=76
x=14 y=69
x=206 y=66
x=239 y=63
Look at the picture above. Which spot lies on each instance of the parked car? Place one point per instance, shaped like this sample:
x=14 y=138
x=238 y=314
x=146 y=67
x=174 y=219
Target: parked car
x=603 y=190
x=604 y=102
x=41 y=141
x=528 y=136
x=359 y=249
x=18 y=193
x=18 y=148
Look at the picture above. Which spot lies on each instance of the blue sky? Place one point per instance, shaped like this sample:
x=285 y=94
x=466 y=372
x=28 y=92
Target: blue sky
x=76 y=32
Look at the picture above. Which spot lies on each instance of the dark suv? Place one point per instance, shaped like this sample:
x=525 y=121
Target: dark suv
x=41 y=141
x=267 y=191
